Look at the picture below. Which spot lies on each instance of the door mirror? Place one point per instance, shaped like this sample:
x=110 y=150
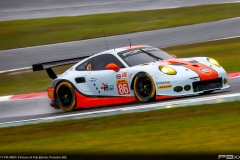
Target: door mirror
x=112 y=66
x=174 y=55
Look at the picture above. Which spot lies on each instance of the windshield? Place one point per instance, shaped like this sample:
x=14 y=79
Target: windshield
x=143 y=55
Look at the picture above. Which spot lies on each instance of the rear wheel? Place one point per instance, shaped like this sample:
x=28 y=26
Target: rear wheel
x=65 y=96
x=144 y=87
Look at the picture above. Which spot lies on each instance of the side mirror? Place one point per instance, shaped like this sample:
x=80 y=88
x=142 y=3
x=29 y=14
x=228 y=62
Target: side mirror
x=174 y=55
x=112 y=66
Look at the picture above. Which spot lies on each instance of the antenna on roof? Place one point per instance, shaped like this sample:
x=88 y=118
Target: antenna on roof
x=105 y=39
x=130 y=43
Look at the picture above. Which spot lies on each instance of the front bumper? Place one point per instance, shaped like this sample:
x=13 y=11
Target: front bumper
x=191 y=86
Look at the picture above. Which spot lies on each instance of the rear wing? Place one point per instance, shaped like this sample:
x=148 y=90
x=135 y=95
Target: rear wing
x=49 y=65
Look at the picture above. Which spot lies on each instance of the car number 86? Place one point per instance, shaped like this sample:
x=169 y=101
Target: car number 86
x=123 y=89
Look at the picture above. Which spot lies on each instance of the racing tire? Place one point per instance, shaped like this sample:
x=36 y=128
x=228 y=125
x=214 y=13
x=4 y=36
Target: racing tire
x=144 y=87
x=65 y=96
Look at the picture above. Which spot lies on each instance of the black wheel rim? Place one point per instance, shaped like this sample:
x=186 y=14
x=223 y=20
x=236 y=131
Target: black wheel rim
x=144 y=87
x=65 y=96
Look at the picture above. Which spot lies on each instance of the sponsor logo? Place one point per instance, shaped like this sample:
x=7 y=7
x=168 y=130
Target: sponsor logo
x=164 y=87
x=164 y=82
x=130 y=75
x=118 y=76
x=205 y=71
x=124 y=74
x=107 y=87
x=137 y=50
x=121 y=81
x=130 y=52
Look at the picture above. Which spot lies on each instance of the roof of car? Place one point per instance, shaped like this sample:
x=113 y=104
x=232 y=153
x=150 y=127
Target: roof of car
x=117 y=50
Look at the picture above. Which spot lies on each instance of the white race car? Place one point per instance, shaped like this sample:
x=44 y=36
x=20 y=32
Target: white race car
x=128 y=74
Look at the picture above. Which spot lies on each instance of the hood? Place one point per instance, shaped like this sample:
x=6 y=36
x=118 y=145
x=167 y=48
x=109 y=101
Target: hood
x=205 y=72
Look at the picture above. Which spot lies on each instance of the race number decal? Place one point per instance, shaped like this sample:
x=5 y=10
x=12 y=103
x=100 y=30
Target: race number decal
x=122 y=86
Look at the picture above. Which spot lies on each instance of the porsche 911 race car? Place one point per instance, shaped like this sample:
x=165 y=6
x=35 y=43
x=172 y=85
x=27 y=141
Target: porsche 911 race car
x=135 y=73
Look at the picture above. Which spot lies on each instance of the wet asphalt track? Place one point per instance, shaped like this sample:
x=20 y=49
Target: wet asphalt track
x=25 y=57
x=39 y=108
x=17 y=58
x=28 y=9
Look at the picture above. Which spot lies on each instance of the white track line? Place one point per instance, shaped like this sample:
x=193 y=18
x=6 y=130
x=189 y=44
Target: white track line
x=18 y=69
x=5 y=98
x=155 y=105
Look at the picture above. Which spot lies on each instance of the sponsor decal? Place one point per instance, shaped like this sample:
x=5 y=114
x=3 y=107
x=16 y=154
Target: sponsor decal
x=164 y=86
x=107 y=87
x=124 y=74
x=205 y=71
x=130 y=75
x=137 y=50
x=122 y=86
x=164 y=82
x=130 y=52
x=118 y=76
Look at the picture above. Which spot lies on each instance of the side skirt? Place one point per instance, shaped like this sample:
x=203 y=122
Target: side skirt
x=83 y=101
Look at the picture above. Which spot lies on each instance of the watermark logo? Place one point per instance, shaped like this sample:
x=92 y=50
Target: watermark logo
x=228 y=157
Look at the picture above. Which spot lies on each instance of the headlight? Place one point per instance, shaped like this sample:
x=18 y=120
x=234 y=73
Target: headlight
x=213 y=61
x=167 y=70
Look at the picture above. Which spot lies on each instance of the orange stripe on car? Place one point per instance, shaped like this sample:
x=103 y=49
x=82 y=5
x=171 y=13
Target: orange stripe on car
x=205 y=72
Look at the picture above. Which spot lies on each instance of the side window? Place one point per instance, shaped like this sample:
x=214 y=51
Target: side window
x=85 y=66
x=100 y=62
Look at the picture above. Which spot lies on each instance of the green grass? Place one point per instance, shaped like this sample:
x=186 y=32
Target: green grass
x=24 y=33
x=226 y=52
x=199 y=129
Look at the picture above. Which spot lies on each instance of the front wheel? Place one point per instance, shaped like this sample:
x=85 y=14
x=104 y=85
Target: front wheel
x=65 y=96
x=144 y=87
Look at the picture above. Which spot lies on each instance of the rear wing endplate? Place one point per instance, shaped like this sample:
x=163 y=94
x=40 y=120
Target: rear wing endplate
x=49 y=65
